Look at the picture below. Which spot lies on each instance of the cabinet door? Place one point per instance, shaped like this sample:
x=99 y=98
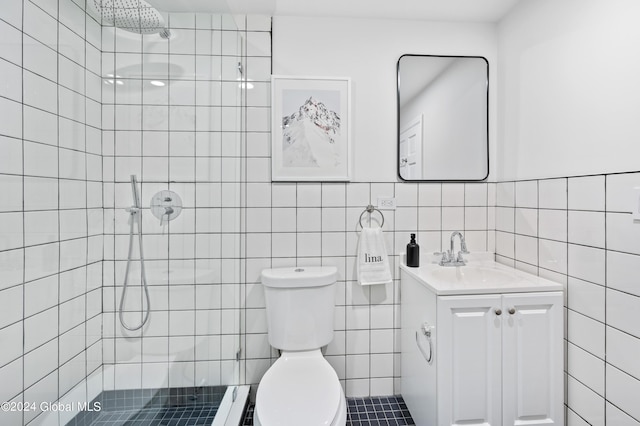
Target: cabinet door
x=468 y=354
x=532 y=348
x=418 y=375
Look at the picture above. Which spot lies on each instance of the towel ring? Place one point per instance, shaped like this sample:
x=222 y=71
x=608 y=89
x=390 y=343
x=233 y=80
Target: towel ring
x=426 y=331
x=370 y=209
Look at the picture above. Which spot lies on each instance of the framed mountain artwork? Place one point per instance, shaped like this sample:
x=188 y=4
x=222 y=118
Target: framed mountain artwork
x=310 y=131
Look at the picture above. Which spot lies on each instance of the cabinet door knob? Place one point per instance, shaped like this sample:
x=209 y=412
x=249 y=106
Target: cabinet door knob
x=498 y=311
x=512 y=311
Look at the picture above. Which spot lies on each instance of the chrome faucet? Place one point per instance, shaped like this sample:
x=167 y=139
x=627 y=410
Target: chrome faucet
x=449 y=257
x=463 y=243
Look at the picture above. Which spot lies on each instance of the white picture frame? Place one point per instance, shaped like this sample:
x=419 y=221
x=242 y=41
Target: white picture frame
x=310 y=128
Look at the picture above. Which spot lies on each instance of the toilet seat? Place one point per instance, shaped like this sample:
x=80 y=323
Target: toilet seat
x=300 y=388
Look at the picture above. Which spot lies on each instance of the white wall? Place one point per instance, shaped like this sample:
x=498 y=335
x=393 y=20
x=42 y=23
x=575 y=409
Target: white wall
x=569 y=88
x=367 y=51
x=568 y=106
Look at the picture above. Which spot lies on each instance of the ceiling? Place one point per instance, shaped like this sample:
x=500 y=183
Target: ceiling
x=431 y=10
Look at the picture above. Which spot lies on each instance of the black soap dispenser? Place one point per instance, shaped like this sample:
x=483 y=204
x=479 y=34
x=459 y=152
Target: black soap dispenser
x=413 y=252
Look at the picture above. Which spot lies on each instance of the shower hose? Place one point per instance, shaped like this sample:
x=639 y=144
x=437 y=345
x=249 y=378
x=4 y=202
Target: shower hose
x=135 y=217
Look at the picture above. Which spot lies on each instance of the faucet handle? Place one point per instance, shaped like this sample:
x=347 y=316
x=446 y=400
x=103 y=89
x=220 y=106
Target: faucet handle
x=168 y=211
x=446 y=256
x=459 y=258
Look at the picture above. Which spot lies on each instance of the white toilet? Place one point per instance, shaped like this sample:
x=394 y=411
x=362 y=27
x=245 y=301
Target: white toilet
x=301 y=387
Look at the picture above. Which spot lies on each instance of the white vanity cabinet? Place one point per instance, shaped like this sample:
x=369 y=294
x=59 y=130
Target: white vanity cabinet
x=496 y=352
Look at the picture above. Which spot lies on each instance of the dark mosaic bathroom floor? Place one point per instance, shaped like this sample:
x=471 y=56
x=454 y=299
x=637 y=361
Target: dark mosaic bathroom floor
x=372 y=411
x=198 y=406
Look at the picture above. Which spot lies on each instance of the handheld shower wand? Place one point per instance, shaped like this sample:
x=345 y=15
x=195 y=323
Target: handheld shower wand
x=135 y=217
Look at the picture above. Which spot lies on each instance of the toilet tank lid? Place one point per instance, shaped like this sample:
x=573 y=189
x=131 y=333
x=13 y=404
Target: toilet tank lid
x=299 y=276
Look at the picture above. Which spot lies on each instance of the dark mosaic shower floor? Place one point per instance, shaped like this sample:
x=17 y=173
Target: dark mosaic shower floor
x=154 y=407
x=372 y=411
x=173 y=416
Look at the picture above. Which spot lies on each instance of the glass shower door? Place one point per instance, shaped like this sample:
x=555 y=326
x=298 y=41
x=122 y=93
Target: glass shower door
x=172 y=116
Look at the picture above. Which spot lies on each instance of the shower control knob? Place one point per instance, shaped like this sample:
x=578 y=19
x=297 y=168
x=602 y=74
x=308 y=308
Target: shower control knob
x=166 y=205
x=498 y=311
x=512 y=311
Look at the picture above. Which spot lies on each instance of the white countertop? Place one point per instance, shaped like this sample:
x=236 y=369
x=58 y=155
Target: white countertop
x=481 y=275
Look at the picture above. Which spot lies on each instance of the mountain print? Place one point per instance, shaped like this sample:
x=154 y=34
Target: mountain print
x=309 y=136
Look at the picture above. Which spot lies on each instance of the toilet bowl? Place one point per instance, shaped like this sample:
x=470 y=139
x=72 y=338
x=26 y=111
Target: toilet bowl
x=301 y=387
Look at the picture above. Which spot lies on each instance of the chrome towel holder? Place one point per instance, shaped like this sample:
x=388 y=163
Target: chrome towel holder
x=370 y=209
x=426 y=331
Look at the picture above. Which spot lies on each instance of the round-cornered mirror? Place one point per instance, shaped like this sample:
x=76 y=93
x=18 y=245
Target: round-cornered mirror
x=443 y=118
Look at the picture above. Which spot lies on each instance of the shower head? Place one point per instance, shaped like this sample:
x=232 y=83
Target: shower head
x=136 y=16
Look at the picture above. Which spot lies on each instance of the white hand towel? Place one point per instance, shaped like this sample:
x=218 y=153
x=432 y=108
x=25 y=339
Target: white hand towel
x=373 y=262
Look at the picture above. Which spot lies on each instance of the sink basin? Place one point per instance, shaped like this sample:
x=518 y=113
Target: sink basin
x=474 y=274
x=481 y=275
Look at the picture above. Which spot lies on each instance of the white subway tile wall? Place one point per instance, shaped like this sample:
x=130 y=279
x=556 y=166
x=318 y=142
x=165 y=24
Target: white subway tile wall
x=51 y=232
x=586 y=239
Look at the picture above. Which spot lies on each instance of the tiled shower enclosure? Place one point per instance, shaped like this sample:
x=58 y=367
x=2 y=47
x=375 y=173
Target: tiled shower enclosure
x=84 y=107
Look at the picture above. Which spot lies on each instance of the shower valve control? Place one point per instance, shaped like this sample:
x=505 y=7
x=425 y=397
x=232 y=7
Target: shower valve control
x=166 y=205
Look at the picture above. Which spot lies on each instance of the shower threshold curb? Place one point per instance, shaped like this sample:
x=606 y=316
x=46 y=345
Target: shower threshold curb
x=234 y=403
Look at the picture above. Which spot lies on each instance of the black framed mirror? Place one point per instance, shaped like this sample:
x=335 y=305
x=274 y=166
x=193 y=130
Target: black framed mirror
x=443 y=118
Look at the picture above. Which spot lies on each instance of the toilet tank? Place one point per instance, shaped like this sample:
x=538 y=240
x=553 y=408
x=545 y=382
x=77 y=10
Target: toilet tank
x=300 y=303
